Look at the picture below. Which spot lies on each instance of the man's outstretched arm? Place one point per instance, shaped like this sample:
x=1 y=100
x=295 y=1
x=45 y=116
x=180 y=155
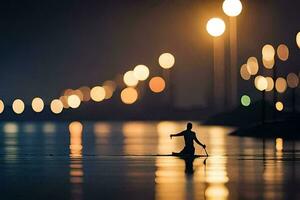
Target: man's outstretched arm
x=176 y=135
x=198 y=142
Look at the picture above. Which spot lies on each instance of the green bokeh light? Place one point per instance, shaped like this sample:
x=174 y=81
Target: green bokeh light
x=245 y=100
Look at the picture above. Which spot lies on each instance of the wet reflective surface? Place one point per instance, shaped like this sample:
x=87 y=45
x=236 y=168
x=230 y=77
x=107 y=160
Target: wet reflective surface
x=99 y=160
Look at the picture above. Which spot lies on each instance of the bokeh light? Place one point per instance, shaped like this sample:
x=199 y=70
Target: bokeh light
x=232 y=8
x=268 y=52
x=75 y=127
x=270 y=84
x=269 y=64
x=98 y=93
x=279 y=144
x=157 y=84
x=244 y=72
x=37 y=104
x=215 y=27
x=129 y=79
x=166 y=60
x=18 y=106
x=283 y=52
x=56 y=106
x=141 y=72
x=260 y=83
x=279 y=106
x=129 y=95
x=74 y=101
x=64 y=100
x=252 y=66
x=109 y=87
x=280 y=85
x=245 y=100
x=298 y=39
x=85 y=91
x=292 y=80
x=1 y=106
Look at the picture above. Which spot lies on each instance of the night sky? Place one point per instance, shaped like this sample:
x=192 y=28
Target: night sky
x=49 y=45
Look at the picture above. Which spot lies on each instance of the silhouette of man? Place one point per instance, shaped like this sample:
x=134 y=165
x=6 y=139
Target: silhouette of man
x=189 y=138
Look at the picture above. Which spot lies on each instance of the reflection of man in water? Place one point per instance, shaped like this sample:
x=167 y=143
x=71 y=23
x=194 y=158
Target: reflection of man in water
x=189 y=137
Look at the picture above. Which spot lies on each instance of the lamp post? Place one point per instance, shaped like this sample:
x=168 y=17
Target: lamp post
x=232 y=8
x=216 y=27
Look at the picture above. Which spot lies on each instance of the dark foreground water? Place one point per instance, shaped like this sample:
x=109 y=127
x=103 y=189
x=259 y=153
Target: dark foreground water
x=117 y=161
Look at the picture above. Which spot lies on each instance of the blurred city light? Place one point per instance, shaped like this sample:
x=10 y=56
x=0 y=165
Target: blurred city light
x=244 y=72
x=56 y=106
x=245 y=100
x=18 y=106
x=252 y=66
x=279 y=144
x=292 y=80
x=157 y=84
x=64 y=100
x=232 y=8
x=141 y=72
x=270 y=84
x=75 y=129
x=1 y=106
x=97 y=93
x=166 y=60
x=215 y=27
x=260 y=83
x=85 y=91
x=268 y=52
x=74 y=101
x=298 y=39
x=109 y=87
x=283 y=52
x=129 y=79
x=279 y=106
x=129 y=95
x=280 y=85
x=269 y=64
x=37 y=104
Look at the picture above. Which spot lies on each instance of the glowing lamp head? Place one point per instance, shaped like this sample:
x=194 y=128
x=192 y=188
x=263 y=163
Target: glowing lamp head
x=56 y=106
x=232 y=8
x=166 y=60
x=37 y=104
x=215 y=27
x=279 y=106
x=18 y=106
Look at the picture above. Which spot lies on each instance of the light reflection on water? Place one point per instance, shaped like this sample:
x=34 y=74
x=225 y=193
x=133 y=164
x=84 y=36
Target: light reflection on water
x=91 y=153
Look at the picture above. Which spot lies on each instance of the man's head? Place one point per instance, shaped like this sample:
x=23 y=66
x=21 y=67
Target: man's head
x=189 y=126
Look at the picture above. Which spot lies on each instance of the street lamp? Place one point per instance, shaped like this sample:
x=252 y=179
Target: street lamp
x=261 y=84
x=233 y=8
x=216 y=27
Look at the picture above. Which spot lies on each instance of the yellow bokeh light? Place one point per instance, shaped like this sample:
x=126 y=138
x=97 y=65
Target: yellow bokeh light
x=75 y=129
x=232 y=8
x=129 y=79
x=280 y=85
x=279 y=144
x=270 y=84
x=111 y=84
x=141 y=72
x=64 y=100
x=18 y=106
x=269 y=64
x=244 y=72
x=283 y=52
x=279 y=106
x=109 y=87
x=56 y=106
x=1 y=106
x=129 y=95
x=157 y=84
x=166 y=60
x=298 y=39
x=98 y=93
x=74 y=101
x=252 y=65
x=268 y=52
x=215 y=27
x=261 y=83
x=37 y=104
x=85 y=91
x=292 y=80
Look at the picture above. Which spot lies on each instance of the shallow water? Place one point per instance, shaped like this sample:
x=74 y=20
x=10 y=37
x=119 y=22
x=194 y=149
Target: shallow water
x=118 y=161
